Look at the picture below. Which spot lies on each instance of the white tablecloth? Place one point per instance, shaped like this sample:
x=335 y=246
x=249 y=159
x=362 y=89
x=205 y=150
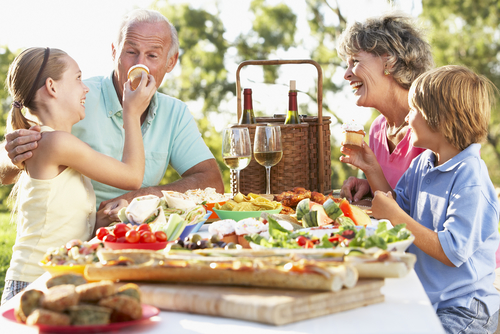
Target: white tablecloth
x=406 y=310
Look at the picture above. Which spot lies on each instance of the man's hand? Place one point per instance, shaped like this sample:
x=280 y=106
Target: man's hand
x=109 y=213
x=20 y=143
x=354 y=189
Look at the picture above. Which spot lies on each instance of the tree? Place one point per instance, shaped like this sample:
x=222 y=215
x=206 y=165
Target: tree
x=466 y=33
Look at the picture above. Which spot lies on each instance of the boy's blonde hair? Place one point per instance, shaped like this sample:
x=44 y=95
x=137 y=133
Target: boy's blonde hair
x=21 y=78
x=456 y=102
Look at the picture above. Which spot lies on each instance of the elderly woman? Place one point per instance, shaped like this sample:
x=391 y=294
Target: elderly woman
x=384 y=56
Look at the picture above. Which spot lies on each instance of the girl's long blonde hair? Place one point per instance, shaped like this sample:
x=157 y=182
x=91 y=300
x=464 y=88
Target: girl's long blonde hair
x=22 y=84
x=21 y=79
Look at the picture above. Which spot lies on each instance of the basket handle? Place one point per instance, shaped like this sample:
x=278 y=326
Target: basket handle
x=282 y=62
x=320 y=100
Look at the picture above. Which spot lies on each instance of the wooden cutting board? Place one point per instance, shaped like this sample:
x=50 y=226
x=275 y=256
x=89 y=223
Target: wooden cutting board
x=270 y=306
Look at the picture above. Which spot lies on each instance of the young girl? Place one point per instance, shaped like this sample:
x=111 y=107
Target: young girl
x=446 y=198
x=55 y=199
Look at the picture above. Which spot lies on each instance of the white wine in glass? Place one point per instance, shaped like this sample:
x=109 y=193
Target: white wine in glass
x=267 y=149
x=236 y=151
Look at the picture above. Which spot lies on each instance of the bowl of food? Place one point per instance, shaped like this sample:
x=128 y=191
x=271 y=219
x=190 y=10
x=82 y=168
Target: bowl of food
x=210 y=206
x=193 y=228
x=158 y=245
x=239 y=215
x=62 y=269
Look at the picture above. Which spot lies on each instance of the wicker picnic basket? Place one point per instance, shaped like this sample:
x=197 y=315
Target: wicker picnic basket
x=306 y=160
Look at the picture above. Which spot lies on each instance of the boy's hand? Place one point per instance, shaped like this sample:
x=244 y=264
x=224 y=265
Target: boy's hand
x=384 y=206
x=135 y=102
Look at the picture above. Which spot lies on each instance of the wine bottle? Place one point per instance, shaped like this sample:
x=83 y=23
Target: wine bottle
x=292 y=116
x=247 y=116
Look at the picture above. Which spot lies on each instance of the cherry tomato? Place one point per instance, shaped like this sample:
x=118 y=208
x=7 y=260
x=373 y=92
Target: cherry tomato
x=101 y=233
x=120 y=230
x=148 y=237
x=144 y=227
x=132 y=236
x=301 y=240
x=121 y=240
x=109 y=238
x=160 y=236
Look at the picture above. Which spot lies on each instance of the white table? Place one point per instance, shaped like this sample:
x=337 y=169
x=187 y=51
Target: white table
x=406 y=310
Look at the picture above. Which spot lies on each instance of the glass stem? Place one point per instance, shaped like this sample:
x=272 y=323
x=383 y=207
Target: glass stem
x=268 y=180
x=237 y=182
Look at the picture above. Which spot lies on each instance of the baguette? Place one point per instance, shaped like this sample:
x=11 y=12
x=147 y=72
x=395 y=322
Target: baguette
x=332 y=280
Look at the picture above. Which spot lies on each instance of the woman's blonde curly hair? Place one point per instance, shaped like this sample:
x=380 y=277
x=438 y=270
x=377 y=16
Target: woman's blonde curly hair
x=395 y=35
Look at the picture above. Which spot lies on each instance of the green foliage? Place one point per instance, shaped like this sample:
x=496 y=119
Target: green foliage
x=466 y=33
x=7 y=239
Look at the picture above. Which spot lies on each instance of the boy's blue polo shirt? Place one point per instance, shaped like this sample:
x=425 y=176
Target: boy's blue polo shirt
x=169 y=133
x=458 y=201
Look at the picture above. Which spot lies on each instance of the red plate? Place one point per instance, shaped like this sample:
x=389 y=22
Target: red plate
x=139 y=245
x=148 y=311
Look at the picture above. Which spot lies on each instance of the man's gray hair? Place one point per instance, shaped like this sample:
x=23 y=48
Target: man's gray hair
x=148 y=16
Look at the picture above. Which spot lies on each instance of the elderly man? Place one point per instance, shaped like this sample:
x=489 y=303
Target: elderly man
x=169 y=131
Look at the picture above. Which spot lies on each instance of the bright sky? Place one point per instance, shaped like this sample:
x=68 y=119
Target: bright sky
x=85 y=29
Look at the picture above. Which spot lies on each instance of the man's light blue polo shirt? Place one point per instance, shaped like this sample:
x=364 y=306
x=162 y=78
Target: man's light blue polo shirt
x=170 y=134
x=458 y=201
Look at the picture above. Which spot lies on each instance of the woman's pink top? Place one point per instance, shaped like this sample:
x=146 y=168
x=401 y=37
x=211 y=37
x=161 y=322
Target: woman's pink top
x=396 y=163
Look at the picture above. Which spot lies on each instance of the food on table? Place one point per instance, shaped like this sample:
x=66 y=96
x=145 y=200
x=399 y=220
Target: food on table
x=348 y=235
x=330 y=213
x=246 y=227
x=170 y=214
x=353 y=133
x=75 y=252
x=46 y=317
x=59 y=298
x=283 y=272
x=131 y=290
x=224 y=229
x=87 y=314
x=208 y=195
x=195 y=241
x=125 y=308
x=252 y=202
x=67 y=278
x=96 y=303
x=94 y=291
x=135 y=75
x=290 y=199
x=29 y=301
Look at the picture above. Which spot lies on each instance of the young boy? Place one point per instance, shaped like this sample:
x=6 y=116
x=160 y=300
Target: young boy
x=446 y=198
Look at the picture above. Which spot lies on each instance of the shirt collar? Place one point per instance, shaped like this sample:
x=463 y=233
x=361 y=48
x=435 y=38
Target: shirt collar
x=114 y=106
x=471 y=151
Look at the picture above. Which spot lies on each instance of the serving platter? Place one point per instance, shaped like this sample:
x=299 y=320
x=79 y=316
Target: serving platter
x=148 y=312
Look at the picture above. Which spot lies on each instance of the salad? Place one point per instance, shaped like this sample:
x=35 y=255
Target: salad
x=75 y=252
x=348 y=235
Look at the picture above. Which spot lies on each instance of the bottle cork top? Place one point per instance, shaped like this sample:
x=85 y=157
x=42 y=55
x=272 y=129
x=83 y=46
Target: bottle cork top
x=292 y=85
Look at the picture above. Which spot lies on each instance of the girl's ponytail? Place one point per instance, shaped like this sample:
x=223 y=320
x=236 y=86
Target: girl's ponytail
x=28 y=73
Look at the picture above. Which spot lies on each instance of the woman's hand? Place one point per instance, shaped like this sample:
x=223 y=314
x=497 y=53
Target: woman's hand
x=354 y=189
x=360 y=157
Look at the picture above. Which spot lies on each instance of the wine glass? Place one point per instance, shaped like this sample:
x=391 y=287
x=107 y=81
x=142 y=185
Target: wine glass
x=267 y=149
x=236 y=151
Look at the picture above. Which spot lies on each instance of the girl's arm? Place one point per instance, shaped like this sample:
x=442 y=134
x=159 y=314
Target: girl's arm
x=67 y=150
x=384 y=206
